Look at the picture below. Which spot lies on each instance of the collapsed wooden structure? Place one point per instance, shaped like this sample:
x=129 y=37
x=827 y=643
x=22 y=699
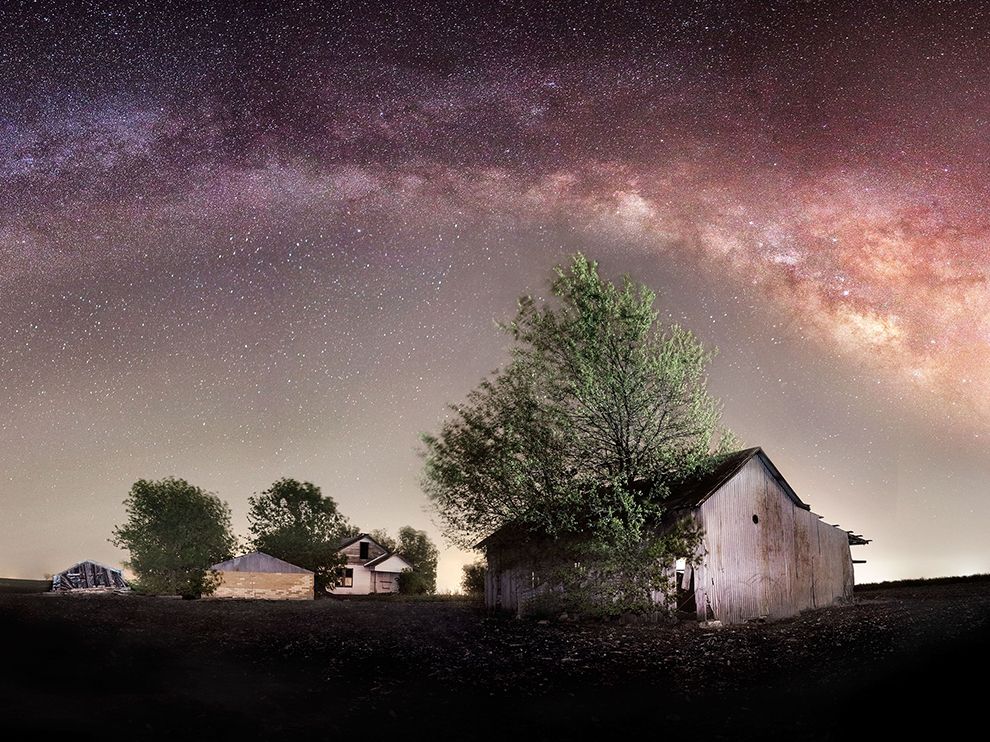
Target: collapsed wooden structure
x=89 y=575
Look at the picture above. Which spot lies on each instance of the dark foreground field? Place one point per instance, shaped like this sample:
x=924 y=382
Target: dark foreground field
x=137 y=668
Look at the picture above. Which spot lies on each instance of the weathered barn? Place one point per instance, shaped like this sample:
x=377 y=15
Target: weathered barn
x=370 y=568
x=262 y=576
x=764 y=554
x=89 y=575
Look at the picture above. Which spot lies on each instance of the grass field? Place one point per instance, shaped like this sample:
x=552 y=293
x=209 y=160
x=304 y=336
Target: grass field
x=923 y=582
x=135 y=667
x=8 y=585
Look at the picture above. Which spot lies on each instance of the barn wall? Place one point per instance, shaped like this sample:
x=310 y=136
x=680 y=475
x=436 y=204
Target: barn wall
x=493 y=598
x=265 y=585
x=789 y=561
x=509 y=579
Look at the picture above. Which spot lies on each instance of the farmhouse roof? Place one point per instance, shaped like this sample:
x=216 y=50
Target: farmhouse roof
x=378 y=559
x=258 y=561
x=383 y=557
x=352 y=539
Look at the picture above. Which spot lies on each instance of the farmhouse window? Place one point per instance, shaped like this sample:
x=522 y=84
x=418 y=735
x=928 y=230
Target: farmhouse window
x=348 y=579
x=364 y=550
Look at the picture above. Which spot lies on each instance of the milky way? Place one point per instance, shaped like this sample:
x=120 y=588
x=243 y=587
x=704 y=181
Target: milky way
x=273 y=242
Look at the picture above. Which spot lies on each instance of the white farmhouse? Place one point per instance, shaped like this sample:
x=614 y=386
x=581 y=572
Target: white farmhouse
x=370 y=568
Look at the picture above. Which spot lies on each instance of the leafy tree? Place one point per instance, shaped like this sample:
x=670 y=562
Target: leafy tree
x=473 y=579
x=174 y=532
x=417 y=548
x=580 y=437
x=385 y=539
x=293 y=521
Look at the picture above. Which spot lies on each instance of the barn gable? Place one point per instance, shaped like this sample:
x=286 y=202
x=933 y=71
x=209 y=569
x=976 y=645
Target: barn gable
x=763 y=554
x=692 y=492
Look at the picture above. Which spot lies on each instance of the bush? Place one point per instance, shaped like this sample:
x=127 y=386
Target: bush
x=174 y=532
x=473 y=580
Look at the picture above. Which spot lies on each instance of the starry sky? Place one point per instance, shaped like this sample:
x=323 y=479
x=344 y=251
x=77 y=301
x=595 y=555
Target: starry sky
x=251 y=242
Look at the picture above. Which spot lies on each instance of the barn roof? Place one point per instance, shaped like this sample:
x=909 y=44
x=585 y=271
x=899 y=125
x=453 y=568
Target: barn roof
x=692 y=492
x=258 y=561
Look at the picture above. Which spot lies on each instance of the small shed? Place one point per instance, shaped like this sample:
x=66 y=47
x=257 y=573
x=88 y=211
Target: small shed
x=89 y=575
x=764 y=554
x=262 y=576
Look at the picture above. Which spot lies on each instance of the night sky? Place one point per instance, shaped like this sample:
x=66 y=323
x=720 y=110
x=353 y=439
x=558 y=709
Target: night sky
x=237 y=246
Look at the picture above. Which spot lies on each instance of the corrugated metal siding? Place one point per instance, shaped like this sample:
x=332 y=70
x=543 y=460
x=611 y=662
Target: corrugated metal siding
x=788 y=561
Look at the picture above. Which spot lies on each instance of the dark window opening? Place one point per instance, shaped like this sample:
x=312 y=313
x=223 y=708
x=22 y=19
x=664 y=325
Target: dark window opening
x=364 y=550
x=756 y=519
x=685 y=595
x=348 y=579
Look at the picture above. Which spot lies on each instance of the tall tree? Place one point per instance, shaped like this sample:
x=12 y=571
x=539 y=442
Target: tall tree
x=599 y=410
x=473 y=578
x=384 y=538
x=417 y=548
x=294 y=521
x=174 y=532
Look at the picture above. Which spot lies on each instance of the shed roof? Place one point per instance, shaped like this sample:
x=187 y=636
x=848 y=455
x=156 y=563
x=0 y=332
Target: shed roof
x=258 y=561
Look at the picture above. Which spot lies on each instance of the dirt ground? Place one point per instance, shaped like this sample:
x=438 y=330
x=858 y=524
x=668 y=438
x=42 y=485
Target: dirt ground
x=133 y=667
